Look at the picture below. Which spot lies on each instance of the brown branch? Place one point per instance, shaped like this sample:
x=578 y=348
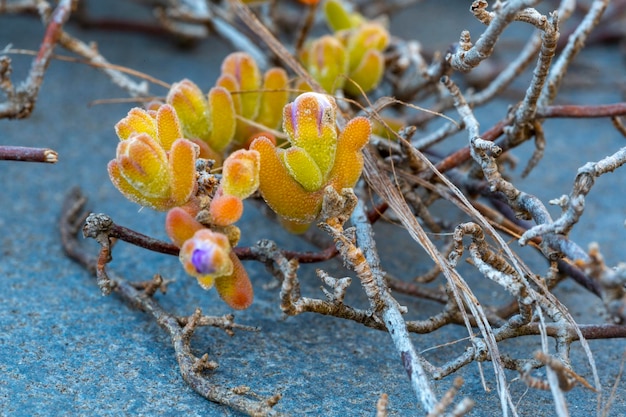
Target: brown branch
x=582 y=111
x=115 y=231
x=564 y=111
x=26 y=154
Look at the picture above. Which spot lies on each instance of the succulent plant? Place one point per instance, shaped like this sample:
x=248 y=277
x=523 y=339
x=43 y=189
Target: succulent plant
x=257 y=98
x=351 y=58
x=207 y=255
x=154 y=165
x=210 y=118
x=292 y=180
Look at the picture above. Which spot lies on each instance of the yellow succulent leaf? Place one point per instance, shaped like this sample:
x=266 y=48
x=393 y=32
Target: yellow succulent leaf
x=310 y=124
x=349 y=162
x=168 y=127
x=374 y=36
x=367 y=74
x=327 y=62
x=192 y=109
x=302 y=168
x=182 y=165
x=370 y=36
x=235 y=289
x=242 y=130
x=240 y=173
x=137 y=121
x=131 y=193
x=337 y=17
x=273 y=98
x=281 y=192
x=223 y=121
x=244 y=69
x=144 y=165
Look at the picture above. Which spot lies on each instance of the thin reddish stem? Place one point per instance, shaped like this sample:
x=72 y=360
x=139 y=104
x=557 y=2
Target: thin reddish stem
x=577 y=111
x=26 y=154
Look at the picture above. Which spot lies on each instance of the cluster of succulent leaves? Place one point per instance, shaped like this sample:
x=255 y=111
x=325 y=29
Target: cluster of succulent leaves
x=292 y=180
x=197 y=156
x=351 y=58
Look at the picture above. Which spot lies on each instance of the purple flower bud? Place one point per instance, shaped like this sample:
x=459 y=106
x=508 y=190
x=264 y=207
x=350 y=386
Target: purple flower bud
x=202 y=259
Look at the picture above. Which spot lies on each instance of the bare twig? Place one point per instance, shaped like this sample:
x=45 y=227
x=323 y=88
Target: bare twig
x=468 y=58
x=574 y=204
x=21 y=99
x=574 y=45
x=366 y=264
x=526 y=111
x=25 y=154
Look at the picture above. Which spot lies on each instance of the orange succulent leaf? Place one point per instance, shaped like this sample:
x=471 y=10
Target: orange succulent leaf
x=225 y=209
x=282 y=193
x=252 y=137
x=223 y=118
x=206 y=256
x=349 y=161
x=230 y=83
x=235 y=289
x=240 y=173
x=310 y=124
x=192 y=109
x=182 y=165
x=168 y=126
x=242 y=129
x=326 y=60
x=367 y=74
x=244 y=69
x=274 y=96
x=302 y=168
x=137 y=121
x=180 y=225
